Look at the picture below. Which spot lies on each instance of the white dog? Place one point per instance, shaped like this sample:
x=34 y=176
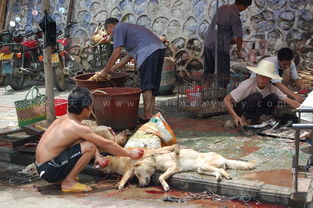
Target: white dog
x=186 y=160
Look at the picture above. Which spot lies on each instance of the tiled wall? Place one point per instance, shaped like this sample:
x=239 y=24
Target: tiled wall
x=280 y=22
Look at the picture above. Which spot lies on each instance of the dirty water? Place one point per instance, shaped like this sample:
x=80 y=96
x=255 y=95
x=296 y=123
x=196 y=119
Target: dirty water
x=278 y=177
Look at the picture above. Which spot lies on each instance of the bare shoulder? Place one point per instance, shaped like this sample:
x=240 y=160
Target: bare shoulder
x=73 y=127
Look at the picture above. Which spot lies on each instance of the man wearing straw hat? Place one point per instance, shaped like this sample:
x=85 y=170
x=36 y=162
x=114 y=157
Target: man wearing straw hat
x=286 y=67
x=256 y=96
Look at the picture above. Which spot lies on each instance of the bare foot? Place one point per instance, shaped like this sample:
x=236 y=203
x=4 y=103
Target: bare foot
x=306 y=135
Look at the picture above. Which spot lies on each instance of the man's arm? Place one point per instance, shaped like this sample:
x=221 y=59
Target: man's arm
x=299 y=84
x=115 y=54
x=291 y=102
x=124 y=61
x=288 y=92
x=108 y=145
x=228 y=102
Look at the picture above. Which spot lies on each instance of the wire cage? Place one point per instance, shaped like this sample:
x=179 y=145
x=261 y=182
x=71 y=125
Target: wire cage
x=101 y=55
x=205 y=97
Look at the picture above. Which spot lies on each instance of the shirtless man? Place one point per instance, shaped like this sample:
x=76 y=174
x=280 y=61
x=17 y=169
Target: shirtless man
x=67 y=146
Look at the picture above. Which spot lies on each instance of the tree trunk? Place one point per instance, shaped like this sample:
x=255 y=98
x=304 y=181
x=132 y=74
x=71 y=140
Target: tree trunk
x=49 y=84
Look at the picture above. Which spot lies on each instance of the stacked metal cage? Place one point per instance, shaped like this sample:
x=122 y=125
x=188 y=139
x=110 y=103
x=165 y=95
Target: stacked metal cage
x=205 y=97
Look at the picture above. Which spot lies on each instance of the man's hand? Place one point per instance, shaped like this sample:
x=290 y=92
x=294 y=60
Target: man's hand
x=298 y=98
x=135 y=154
x=104 y=76
x=99 y=76
x=240 y=121
x=101 y=161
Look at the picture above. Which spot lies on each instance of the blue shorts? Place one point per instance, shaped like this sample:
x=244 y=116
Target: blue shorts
x=57 y=169
x=151 y=70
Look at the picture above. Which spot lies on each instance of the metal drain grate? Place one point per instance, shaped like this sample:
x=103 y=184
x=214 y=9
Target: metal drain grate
x=13 y=177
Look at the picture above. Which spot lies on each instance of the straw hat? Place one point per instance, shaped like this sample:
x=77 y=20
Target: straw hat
x=265 y=68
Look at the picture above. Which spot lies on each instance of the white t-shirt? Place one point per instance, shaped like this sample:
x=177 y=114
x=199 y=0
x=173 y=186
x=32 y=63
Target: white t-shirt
x=249 y=86
x=293 y=70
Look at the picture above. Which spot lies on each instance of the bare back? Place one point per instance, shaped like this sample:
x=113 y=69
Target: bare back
x=62 y=134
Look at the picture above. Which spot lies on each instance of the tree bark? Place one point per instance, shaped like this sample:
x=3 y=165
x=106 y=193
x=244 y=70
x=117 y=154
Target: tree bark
x=49 y=84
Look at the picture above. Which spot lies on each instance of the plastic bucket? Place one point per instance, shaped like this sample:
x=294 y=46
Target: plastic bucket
x=118 y=79
x=116 y=107
x=60 y=106
x=168 y=78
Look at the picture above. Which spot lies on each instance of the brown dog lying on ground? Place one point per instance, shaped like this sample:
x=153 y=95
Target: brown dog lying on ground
x=124 y=165
x=209 y=163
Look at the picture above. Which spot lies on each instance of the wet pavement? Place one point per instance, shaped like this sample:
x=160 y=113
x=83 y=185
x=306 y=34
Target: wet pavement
x=273 y=157
x=104 y=194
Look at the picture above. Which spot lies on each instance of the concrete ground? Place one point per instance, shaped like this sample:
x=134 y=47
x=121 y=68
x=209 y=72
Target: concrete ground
x=269 y=182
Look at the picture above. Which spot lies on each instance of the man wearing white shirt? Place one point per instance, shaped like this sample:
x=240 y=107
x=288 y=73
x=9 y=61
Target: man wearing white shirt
x=286 y=68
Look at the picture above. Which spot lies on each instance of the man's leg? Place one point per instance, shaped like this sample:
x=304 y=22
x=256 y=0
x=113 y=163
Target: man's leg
x=208 y=61
x=250 y=107
x=148 y=103
x=88 y=150
x=269 y=104
x=223 y=68
x=150 y=73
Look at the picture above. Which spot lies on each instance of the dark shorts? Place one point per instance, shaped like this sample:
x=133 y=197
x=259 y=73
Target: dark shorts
x=57 y=169
x=150 y=71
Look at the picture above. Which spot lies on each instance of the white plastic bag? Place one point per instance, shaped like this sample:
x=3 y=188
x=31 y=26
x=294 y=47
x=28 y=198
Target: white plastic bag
x=153 y=134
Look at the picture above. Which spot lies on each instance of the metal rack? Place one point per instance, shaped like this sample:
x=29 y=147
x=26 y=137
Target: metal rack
x=296 y=194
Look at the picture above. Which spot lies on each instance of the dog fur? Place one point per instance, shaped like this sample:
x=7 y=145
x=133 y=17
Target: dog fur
x=108 y=133
x=209 y=163
x=124 y=165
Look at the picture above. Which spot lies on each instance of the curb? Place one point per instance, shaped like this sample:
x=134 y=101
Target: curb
x=193 y=182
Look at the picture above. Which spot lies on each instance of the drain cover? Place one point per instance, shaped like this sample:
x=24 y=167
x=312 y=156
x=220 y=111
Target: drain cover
x=13 y=177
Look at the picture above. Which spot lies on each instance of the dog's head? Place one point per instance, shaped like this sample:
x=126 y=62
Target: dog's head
x=143 y=170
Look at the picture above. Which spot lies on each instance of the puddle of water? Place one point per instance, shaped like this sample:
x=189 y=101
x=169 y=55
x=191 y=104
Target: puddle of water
x=280 y=177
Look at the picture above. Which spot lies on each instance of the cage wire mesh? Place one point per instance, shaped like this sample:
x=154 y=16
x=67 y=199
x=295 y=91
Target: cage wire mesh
x=205 y=97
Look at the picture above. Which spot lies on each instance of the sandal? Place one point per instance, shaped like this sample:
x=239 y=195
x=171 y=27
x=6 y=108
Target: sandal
x=78 y=187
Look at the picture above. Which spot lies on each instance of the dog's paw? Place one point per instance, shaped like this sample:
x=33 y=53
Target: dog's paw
x=166 y=188
x=119 y=186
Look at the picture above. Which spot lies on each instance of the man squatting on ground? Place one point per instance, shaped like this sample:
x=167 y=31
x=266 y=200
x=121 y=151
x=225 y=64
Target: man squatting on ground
x=230 y=32
x=67 y=145
x=285 y=67
x=148 y=51
x=256 y=96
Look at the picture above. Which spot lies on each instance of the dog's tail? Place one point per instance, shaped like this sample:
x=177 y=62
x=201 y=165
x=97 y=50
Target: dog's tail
x=240 y=165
